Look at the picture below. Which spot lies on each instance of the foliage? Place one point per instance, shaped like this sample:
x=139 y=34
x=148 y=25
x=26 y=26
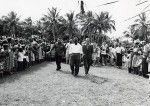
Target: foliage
x=52 y=26
x=139 y=30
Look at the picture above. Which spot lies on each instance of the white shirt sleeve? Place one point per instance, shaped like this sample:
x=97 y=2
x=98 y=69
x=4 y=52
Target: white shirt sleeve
x=81 y=50
x=70 y=49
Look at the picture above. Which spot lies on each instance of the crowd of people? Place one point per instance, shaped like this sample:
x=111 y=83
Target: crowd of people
x=17 y=54
x=134 y=58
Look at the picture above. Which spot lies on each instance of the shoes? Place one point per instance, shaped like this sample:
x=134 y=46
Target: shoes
x=58 y=69
x=72 y=73
x=146 y=76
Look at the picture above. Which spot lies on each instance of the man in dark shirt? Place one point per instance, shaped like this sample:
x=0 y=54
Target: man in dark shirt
x=87 y=55
x=59 y=53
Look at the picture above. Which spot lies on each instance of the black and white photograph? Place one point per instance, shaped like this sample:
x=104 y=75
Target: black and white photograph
x=74 y=52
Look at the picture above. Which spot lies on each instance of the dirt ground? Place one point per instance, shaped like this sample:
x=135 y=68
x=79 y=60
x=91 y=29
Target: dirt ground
x=41 y=85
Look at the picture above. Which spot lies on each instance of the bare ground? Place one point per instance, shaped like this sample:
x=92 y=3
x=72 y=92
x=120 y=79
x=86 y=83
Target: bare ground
x=41 y=85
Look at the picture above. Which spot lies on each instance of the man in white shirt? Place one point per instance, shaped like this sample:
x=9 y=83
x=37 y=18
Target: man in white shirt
x=75 y=52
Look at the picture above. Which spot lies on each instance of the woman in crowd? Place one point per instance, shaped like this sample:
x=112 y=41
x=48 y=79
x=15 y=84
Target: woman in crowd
x=104 y=53
x=20 y=59
x=112 y=55
x=136 y=61
x=95 y=53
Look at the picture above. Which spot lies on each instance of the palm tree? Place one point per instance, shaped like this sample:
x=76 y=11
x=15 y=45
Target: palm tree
x=12 y=22
x=53 y=19
x=141 y=26
x=98 y=26
x=71 y=27
x=27 y=25
x=87 y=28
x=103 y=23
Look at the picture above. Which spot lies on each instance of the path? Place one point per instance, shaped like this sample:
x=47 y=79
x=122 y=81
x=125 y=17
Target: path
x=43 y=86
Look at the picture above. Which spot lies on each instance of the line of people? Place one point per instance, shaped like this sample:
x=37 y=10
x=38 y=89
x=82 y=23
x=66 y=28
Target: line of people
x=75 y=53
x=136 y=58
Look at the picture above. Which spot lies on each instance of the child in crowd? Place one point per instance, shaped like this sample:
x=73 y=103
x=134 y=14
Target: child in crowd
x=95 y=53
x=20 y=59
x=137 y=59
x=129 y=60
x=112 y=54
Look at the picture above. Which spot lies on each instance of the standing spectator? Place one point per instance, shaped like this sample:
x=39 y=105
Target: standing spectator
x=112 y=55
x=136 y=59
x=119 y=53
x=87 y=55
x=145 y=62
x=104 y=53
x=40 y=53
x=75 y=52
x=59 y=53
x=20 y=59
x=129 y=61
x=95 y=53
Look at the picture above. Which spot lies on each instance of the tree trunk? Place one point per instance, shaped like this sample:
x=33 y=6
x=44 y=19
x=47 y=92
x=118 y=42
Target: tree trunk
x=53 y=31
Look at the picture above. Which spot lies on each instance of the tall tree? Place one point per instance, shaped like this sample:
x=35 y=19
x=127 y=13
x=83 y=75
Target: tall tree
x=88 y=28
x=12 y=21
x=53 y=19
x=96 y=27
x=71 y=27
x=28 y=27
x=141 y=27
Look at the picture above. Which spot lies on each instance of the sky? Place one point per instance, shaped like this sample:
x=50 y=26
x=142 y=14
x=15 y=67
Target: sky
x=35 y=9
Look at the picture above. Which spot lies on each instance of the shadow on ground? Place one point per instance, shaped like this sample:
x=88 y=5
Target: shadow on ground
x=11 y=78
x=92 y=78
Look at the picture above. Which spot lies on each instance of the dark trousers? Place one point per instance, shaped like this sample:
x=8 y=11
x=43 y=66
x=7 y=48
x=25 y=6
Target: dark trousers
x=24 y=63
x=104 y=59
x=119 y=60
x=58 y=61
x=87 y=63
x=20 y=66
x=144 y=66
x=136 y=70
x=75 y=63
x=130 y=69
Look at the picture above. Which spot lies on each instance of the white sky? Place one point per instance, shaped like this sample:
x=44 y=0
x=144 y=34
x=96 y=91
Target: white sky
x=36 y=8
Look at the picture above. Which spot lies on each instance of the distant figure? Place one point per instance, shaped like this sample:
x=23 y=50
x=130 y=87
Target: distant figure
x=104 y=53
x=87 y=55
x=59 y=53
x=145 y=62
x=75 y=53
x=119 y=53
x=67 y=51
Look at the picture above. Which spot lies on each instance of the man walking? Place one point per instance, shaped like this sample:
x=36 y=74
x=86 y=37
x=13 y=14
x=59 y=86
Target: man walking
x=59 y=53
x=87 y=55
x=75 y=52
